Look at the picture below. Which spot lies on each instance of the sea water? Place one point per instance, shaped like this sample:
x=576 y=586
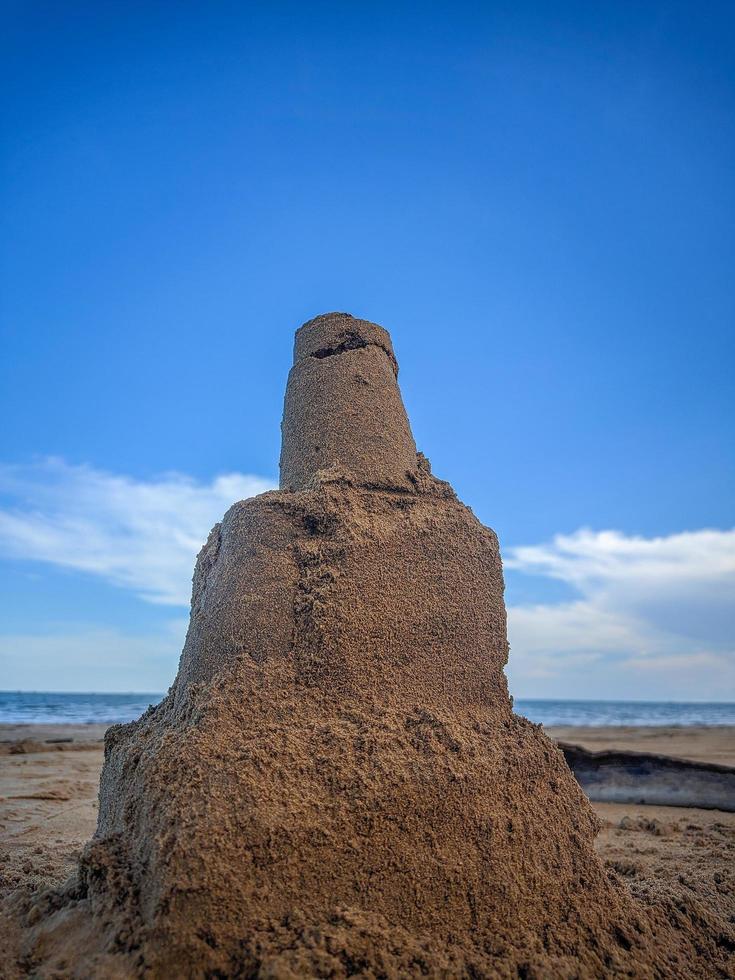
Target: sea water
x=39 y=707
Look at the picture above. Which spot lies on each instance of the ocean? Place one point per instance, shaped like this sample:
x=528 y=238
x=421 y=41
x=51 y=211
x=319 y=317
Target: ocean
x=40 y=707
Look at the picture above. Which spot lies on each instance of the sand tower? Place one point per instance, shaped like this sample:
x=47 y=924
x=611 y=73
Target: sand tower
x=336 y=784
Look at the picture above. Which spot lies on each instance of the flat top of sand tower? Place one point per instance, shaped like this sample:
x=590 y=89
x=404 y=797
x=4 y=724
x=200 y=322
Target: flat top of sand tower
x=334 y=333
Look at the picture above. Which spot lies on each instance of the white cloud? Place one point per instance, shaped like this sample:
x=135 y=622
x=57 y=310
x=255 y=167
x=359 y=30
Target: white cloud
x=137 y=534
x=653 y=617
x=589 y=559
x=92 y=659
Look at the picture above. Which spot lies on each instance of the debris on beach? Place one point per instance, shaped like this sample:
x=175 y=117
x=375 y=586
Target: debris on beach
x=614 y=776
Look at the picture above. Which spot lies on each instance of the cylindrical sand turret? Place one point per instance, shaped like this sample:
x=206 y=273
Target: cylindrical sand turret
x=343 y=407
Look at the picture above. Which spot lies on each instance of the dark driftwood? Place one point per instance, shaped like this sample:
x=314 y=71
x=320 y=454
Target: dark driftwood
x=640 y=777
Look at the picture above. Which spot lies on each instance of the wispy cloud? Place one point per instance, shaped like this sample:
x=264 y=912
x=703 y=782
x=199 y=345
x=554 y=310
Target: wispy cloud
x=92 y=658
x=652 y=616
x=608 y=559
x=142 y=535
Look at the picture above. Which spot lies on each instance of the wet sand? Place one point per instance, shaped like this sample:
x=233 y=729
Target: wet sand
x=48 y=810
x=698 y=743
x=48 y=799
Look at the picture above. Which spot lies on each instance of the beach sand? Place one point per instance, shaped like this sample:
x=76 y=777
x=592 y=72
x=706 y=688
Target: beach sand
x=696 y=743
x=48 y=811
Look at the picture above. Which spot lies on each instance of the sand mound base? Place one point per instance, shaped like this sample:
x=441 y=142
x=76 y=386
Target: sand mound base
x=323 y=839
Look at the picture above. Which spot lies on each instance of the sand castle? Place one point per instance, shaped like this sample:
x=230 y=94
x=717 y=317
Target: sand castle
x=336 y=784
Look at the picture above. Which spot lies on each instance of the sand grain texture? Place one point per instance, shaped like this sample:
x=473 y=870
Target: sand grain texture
x=336 y=785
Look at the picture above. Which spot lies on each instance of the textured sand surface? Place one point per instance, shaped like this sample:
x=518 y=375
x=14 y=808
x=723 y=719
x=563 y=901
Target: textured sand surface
x=698 y=743
x=48 y=810
x=48 y=804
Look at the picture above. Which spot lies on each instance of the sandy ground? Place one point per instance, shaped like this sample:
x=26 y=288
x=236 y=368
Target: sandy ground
x=48 y=798
x=700 y=744
x=48 y=810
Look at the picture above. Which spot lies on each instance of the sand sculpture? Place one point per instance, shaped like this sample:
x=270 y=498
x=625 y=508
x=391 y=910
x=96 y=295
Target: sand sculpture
x=336 y=784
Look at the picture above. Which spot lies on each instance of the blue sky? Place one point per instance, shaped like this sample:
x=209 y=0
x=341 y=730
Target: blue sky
x=536 y=200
